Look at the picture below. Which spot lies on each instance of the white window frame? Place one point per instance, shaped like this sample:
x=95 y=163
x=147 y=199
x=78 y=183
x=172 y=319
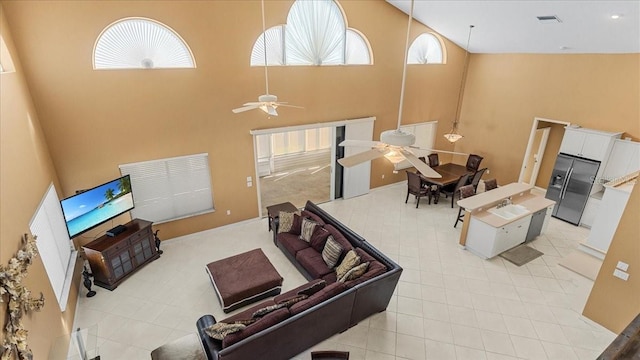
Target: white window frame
x=171 y=189
x=422 y=46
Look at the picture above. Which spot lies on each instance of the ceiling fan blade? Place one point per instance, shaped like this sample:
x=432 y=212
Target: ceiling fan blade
x=286 y=105
x=420 y=165
x=245 y=108
x=360 y=143
x=252 y=103
x=438 y=151
x=364 y=156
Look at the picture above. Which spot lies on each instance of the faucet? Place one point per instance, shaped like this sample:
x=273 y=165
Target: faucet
x=504 y=203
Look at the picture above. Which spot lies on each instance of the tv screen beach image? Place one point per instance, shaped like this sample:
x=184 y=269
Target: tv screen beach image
x=93 y=207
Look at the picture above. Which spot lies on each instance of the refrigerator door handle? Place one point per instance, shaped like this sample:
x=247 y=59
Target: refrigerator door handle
x=566 y=183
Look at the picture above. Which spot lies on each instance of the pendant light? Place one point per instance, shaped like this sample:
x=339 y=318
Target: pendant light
x=453 y=135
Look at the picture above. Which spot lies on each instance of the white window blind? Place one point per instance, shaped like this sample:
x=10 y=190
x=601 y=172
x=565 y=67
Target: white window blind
x=170 y=189
x=54 y=245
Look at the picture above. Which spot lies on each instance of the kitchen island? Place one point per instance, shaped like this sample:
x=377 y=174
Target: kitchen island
x=498 y=220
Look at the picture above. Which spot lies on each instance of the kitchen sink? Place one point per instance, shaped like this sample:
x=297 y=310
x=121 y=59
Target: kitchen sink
x=510 y=211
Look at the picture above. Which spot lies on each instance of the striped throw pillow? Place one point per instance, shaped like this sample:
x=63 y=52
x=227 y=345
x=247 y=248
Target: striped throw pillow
x=331 y=252
x=308 y=226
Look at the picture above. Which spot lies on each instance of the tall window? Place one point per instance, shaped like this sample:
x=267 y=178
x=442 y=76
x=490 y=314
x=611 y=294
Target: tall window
x=139 y=43
x=172 y=188
x=426 y=49
x=316 y=33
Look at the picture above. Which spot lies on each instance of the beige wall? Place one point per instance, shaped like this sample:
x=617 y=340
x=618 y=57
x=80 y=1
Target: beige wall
x=26 y=170
x=613 y=302
x=504 y=92
x=95 y=120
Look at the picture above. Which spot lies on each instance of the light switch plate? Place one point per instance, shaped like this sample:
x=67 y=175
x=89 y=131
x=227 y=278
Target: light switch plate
x=622 y=266
x=621 y=274
x=249 y=179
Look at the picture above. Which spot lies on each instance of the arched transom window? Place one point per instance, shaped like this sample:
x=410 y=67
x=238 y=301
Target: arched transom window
x=316 y=33
x=426 y=49
x=141 y=43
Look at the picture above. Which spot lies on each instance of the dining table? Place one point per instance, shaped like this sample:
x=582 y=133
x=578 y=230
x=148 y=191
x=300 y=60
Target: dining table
x=450 y=173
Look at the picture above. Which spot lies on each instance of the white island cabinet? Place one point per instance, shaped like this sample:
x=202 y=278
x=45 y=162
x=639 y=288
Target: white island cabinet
x=489 y=230
x=487 y=241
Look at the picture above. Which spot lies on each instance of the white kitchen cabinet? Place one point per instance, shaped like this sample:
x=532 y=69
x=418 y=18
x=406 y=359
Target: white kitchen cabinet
x=587 y=143
x=547 y=217
x=487 y=241
x=624 y=159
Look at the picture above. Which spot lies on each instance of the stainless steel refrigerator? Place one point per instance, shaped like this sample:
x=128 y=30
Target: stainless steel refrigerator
x=570 y=185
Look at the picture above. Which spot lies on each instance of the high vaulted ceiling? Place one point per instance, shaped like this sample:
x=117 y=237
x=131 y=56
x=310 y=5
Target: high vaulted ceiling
x=512 y=26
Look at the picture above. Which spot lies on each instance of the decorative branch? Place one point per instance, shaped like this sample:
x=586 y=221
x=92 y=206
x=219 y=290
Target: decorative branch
x=19 y=301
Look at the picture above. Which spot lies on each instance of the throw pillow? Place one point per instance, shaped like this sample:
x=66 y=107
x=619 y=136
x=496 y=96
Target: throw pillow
x=285 y=221
x=297 y=224
x=287 y=303
x=319 y=238
x=355 y=272
x=219 y=330
x=331 y=252
x=313 y=288
x=350 y=261
x=308 y=226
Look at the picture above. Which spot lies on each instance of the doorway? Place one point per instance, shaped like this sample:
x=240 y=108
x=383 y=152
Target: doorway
x=545 y=152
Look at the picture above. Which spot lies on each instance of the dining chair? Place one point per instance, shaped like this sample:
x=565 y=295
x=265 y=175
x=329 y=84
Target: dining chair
x=414 y=187
x=465 y=192
x=434 y=160
x=490 y=184
x=473 y=162
x=330 y=355
x=454 y=189
x=476 y=178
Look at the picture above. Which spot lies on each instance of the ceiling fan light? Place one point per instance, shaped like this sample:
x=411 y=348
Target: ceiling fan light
x=267 y=98
x=397 y=138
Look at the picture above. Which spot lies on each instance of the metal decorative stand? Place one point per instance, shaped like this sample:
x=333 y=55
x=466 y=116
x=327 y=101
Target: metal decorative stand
x=155 y=235
x=87 y=281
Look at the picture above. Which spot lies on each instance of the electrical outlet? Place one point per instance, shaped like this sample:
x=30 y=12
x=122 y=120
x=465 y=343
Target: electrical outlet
x=228 y=212
x=621 y=274
x=488 y=171
x=249 y=184
x=622 y=266
x=383 y=176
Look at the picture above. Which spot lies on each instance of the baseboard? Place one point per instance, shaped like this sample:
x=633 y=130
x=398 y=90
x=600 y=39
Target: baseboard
x=588 y=249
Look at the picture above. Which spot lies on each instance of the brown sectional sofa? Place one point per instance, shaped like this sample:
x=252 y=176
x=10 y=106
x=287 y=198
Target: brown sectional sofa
x=287 y=331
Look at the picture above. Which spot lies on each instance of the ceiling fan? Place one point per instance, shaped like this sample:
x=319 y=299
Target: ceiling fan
x=393 y=144
x=267 y=102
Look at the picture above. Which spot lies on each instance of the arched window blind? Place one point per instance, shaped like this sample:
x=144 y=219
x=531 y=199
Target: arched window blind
x=316 y=33
x=140 y=43
x=425 y=49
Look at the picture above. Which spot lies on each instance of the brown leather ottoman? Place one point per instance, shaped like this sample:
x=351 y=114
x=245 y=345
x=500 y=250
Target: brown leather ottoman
x=243 y=279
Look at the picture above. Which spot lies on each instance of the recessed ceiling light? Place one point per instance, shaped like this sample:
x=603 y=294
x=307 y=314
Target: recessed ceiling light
x=616 y=16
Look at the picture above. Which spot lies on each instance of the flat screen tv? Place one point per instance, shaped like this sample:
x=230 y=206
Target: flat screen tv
x=88 y=209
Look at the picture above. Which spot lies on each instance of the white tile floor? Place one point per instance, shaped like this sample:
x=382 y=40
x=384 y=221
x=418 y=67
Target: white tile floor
x=449 y=304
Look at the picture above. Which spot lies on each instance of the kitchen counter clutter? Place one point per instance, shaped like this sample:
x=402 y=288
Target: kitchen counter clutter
x=490 y=228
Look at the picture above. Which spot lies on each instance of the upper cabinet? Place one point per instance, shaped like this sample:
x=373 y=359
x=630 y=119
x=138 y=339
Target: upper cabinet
x=623 y=160
x=587 y=143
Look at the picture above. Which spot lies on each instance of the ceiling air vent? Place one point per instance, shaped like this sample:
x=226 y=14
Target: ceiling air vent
x=548 y=19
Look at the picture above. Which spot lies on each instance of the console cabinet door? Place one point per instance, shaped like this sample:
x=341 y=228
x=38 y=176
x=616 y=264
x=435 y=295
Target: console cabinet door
x=143 y=250
x=121 y=264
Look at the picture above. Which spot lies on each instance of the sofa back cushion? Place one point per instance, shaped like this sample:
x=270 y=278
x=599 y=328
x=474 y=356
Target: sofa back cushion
x=319 y=238
x=264 y=322
x=309 y=215
x=374 y=269
x=337 y=236
x=329 y=291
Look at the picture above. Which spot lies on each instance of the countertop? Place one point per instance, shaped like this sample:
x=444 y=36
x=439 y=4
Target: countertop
x=519 y=193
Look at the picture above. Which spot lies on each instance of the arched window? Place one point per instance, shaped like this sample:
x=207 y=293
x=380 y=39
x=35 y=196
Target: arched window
x=140 y=43
x=316 y=33
x=426 y=49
